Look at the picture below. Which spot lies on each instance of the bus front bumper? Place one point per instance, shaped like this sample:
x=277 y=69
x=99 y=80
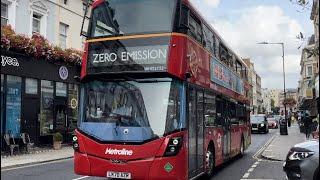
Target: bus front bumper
x=151 y=168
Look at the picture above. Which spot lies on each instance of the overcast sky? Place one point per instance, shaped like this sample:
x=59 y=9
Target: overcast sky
x=244 y=23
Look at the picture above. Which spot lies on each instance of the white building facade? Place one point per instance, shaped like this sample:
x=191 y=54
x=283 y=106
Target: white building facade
x=59 y=21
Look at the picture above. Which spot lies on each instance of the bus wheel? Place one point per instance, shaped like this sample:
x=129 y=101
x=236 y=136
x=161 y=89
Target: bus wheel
x=241 y=148
x=210 y=162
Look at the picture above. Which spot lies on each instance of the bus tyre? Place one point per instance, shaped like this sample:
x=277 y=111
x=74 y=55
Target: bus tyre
x=210 y=162
x=241 y=148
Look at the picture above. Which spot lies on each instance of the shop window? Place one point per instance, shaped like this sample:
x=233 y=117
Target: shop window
x=13 y=105
x=61 y=89
x=73 y=106
x=31 y=86
x=63 y=31
x=2 y=101
x=4 y=14
x=46 y=108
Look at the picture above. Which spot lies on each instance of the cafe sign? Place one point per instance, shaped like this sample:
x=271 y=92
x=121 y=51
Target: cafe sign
x=9 y=61
x=223 y=76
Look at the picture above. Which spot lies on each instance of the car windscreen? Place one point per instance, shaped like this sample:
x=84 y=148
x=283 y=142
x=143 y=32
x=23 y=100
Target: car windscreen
x=257 y=119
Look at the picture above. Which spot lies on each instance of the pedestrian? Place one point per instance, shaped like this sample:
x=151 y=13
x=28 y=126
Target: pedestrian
x=307 y=122
x=289 y=119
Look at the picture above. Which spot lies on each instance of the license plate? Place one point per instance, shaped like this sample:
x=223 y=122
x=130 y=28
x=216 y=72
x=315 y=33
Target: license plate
x=254 y=129
x=118 y=175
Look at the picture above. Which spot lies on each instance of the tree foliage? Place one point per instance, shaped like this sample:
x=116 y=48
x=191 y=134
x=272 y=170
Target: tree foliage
x=290 y=102
x=272 y=103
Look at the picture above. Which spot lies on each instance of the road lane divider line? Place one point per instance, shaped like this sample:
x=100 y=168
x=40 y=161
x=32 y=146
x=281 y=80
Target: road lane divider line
x=82 y=177
x=256 y=155
x=254 y=166
x=250 y=170
x=257 y=179
x=246 y=175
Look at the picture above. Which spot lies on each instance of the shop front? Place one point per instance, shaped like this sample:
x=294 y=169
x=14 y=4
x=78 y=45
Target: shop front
x=38 y=97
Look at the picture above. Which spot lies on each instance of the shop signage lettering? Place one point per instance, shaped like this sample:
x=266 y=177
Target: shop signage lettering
x=135 y=55
x=10 y=61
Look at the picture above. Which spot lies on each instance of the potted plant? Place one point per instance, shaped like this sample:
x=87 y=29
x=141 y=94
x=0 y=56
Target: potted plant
x=57 y=140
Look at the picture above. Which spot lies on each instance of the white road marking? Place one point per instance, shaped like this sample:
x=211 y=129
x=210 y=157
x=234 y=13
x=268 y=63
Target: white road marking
x=256 y=163
x=257 y=179
x=246 y=175
x=32 y=165
x=269 y=156
x=250 y=170
x=254 y=166
x=81 y=177
x=265 y=146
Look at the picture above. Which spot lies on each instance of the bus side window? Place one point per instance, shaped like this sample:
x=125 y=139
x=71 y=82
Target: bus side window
x=219 y=116
x=233 y=117
x=209 y=109
x=195 y=28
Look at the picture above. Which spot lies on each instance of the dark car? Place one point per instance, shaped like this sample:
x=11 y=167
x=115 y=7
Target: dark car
x=273 y=123
x=259 y=123
x=303 y=161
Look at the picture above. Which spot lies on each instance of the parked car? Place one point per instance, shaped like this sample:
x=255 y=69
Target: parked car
x=302 y=161
x=259 y=123
x=273 y=123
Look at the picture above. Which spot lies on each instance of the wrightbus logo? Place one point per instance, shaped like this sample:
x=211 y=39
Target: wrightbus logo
x=122 y=152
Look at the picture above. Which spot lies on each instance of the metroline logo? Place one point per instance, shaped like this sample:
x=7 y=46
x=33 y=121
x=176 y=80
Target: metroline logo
x=122 y=152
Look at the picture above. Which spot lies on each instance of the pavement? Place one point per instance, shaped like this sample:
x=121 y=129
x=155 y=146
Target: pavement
x=280 y=145
x=36 y=157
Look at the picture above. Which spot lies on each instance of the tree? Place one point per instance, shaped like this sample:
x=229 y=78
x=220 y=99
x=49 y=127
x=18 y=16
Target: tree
x=306 y=5
x=290 y=102
x=272 y=103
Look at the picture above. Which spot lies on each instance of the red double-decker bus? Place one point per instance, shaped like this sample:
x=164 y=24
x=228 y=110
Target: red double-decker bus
x=162 y=95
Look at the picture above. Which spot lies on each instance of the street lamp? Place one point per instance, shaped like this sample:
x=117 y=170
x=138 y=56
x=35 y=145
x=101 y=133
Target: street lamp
x=284 y=82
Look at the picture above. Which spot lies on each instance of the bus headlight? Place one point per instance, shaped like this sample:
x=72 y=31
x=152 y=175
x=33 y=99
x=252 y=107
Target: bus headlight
x=173 y=146
x=75 y=143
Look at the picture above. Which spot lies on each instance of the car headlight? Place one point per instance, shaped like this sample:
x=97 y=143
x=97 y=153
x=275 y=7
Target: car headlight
x=261 y=125
x=300 y=155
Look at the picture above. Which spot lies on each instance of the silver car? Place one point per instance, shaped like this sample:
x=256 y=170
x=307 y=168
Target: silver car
x=303 y=161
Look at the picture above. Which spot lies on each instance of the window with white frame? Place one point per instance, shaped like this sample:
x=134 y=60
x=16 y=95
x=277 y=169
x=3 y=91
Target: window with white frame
x=65 y=2
x=63 y=31
x=36 y=23
x=309 y=70
x=4 y=14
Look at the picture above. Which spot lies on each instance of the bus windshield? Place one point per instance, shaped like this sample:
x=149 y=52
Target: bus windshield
x=131 y=111
x=114 y=17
